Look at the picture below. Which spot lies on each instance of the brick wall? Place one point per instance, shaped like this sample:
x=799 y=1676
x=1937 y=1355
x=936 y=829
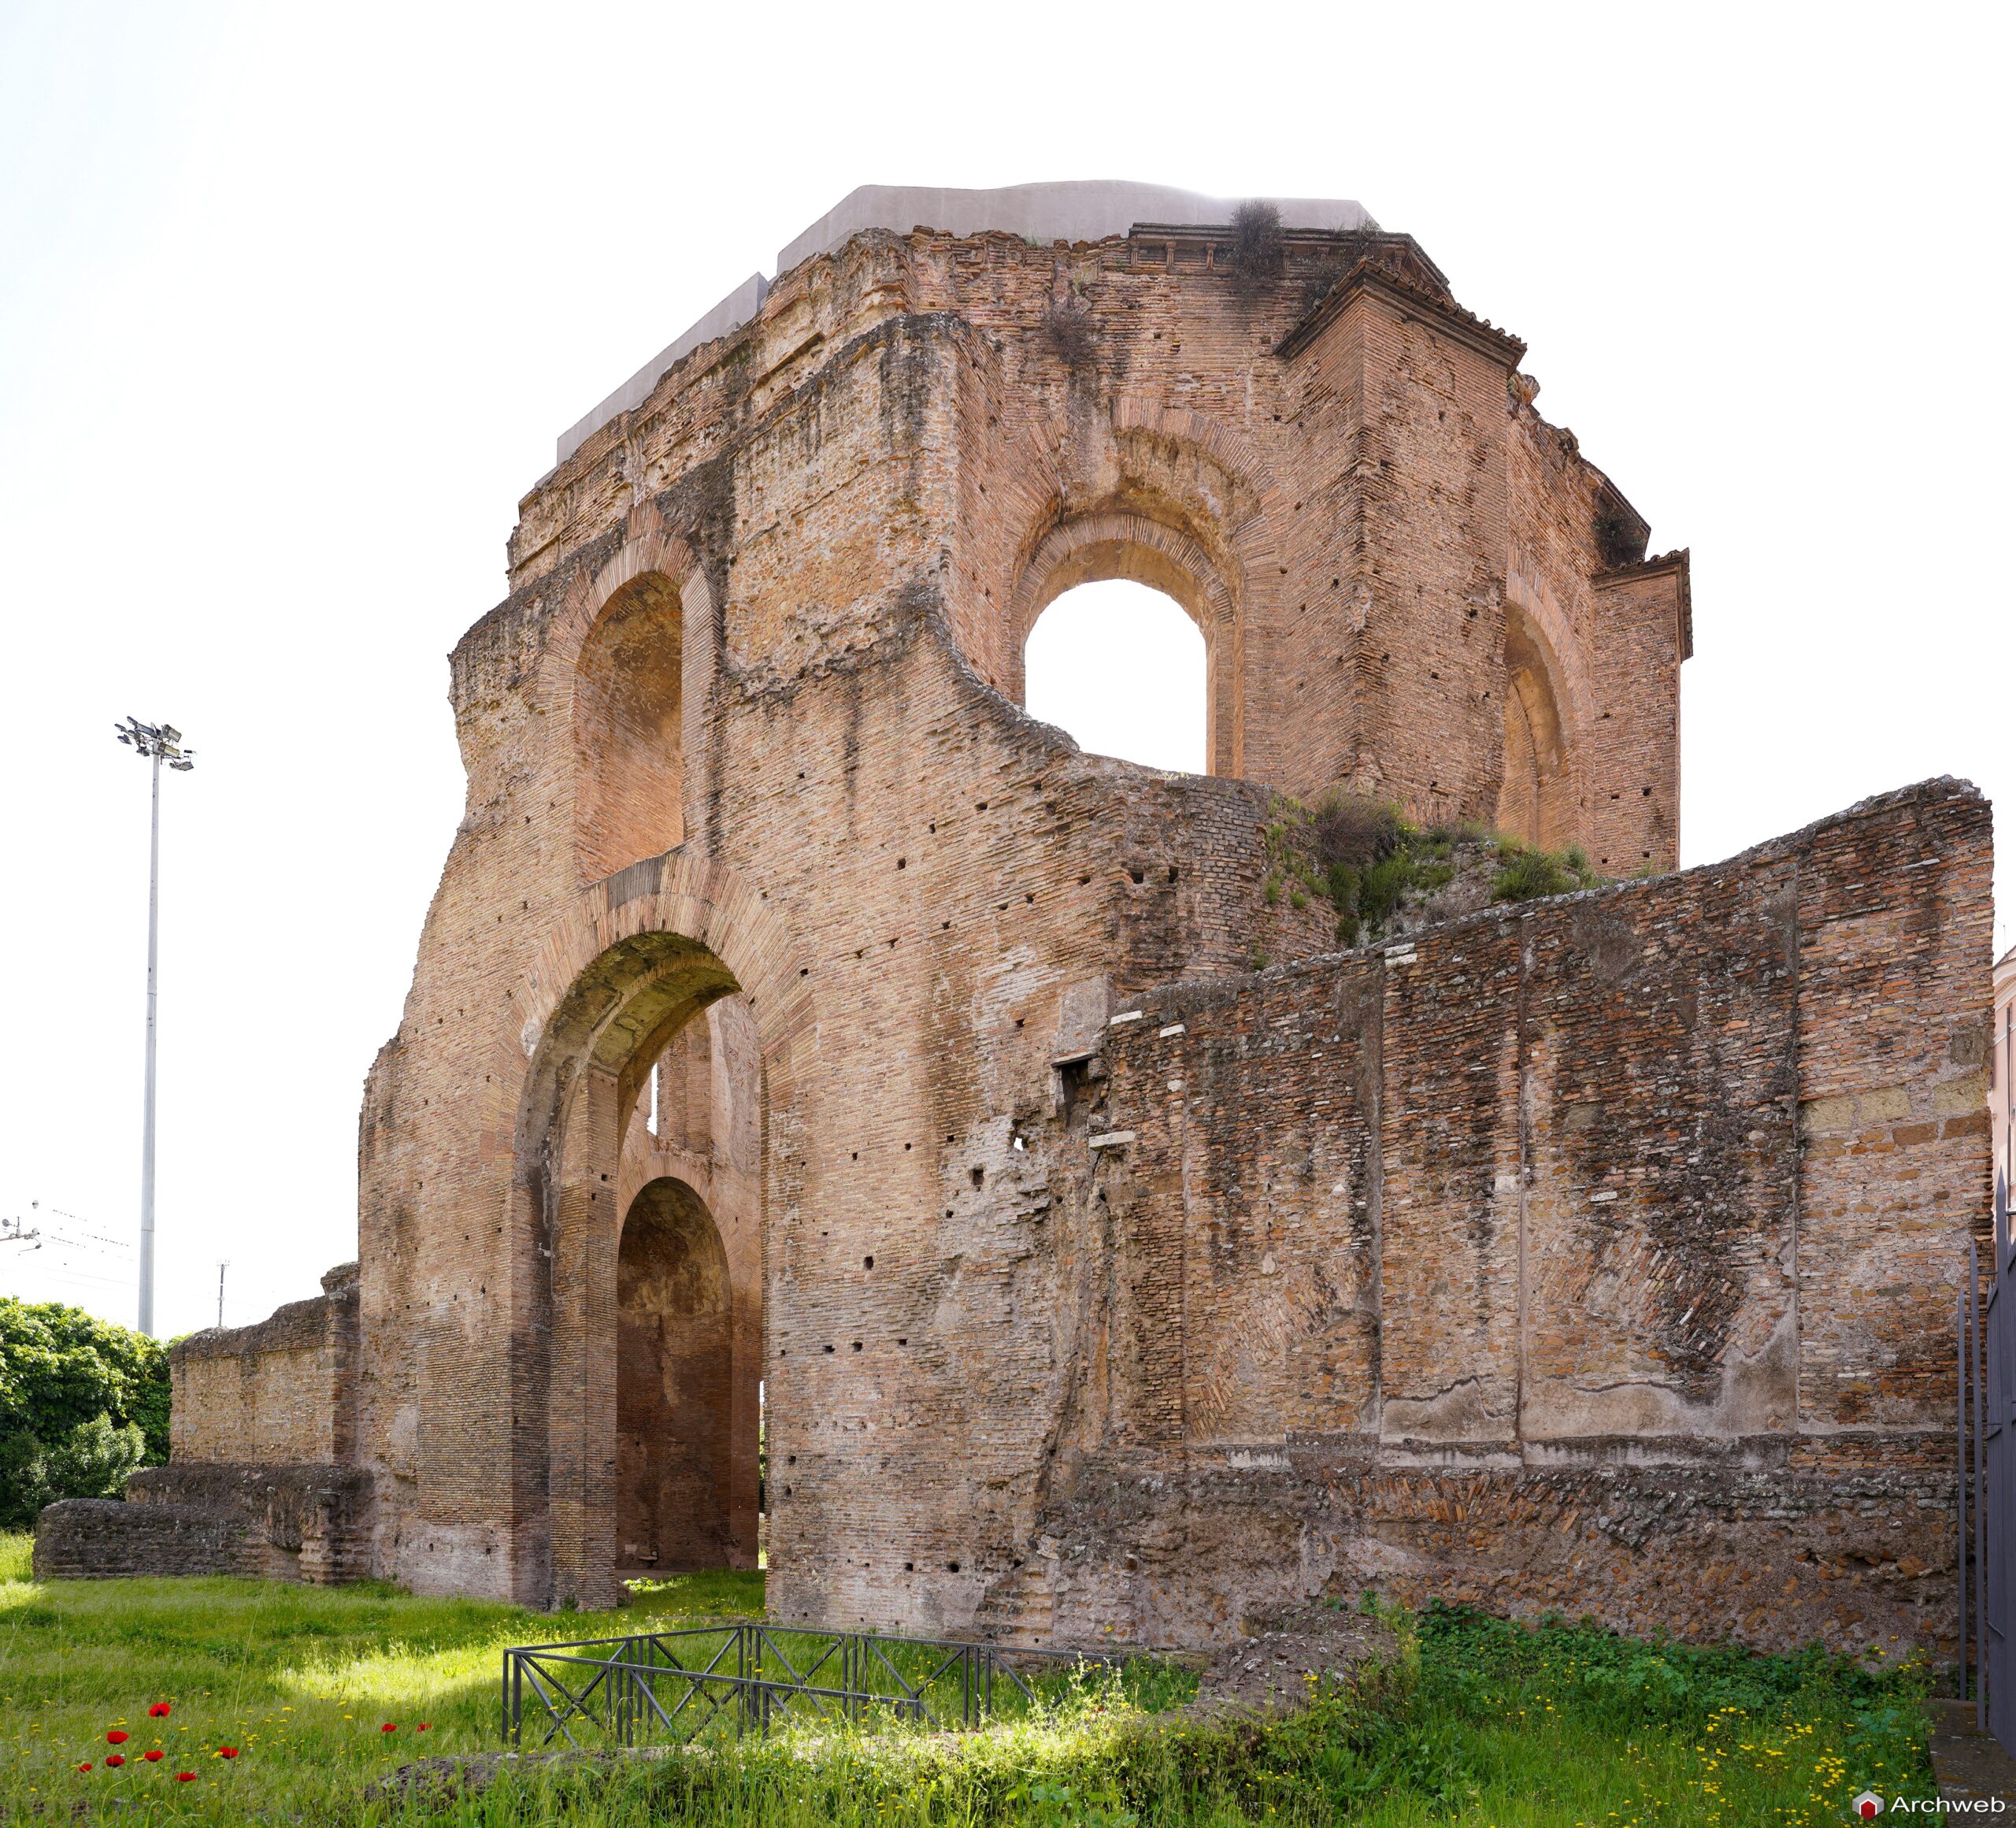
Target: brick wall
x=282 y=1391
x=1599 y=1254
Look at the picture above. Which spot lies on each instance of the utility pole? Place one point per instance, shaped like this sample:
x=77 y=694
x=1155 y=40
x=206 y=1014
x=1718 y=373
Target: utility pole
x=221 y=1267
x=159 y=743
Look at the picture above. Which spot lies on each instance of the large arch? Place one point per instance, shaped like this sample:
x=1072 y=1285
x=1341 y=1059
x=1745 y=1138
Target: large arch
x=643 y=954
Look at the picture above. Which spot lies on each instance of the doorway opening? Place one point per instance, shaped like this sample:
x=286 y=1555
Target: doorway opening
x=674 y=1387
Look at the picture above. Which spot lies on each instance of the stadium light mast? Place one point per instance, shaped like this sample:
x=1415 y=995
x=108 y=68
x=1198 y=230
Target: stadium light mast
x=159 y=743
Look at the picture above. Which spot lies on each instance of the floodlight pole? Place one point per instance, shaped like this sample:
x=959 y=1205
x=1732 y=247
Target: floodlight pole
x=147 y=1122
x=159 y=743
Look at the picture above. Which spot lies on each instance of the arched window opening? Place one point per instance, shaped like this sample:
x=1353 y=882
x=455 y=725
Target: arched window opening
x=628 y=775
x=1123 y=669
x=674 y=1387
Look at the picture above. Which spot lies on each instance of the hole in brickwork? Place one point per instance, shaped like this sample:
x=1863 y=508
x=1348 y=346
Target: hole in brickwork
x=980 y=1180
x=1123 y=669
x=868 y=1263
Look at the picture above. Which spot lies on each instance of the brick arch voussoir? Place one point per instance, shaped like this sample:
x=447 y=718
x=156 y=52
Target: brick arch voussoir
x=1048 y=572
x=697 y=898
x=1255 y=536
x=1225 y=446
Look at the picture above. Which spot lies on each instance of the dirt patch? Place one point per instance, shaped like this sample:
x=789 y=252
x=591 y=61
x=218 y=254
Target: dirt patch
x=1284 y=1654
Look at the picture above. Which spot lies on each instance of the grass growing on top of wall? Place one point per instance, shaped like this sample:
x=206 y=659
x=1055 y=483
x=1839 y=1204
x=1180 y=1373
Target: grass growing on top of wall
x=1474 y=1721
x=1381 y=872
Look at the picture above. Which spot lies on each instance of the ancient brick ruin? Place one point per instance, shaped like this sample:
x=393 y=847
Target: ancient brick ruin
x=799 y=1027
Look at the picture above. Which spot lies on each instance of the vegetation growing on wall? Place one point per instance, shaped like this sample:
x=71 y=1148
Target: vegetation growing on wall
x=1383 y=874
x=83 y=1403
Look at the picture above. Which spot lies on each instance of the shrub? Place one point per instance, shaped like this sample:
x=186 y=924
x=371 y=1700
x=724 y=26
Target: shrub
x=1529 y=874
x=1256 y=241
x=1347 y=829
x=1069 y=331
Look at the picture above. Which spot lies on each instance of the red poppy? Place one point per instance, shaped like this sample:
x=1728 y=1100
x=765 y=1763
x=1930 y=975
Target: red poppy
x=115 y=1759
x=388 y=1727
x=85 y=1766
x=185 y=1776
x=153 y=1756
x=421 y=1727
x=159 y=1711
x=116 y=1737
x=227 y=1752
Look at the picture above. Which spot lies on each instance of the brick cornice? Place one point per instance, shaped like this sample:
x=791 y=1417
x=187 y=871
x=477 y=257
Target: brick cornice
x=1367 y=278
x=1676 y=564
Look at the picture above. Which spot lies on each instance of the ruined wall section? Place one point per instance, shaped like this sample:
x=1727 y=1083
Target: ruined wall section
x=953 y=892
x=1893 y=1033
x=283 y=1391
x=1595 y=1255
x=1325 y=440
x=947 y=869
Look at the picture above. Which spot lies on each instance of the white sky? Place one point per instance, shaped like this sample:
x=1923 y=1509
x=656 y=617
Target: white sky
x=294 y=300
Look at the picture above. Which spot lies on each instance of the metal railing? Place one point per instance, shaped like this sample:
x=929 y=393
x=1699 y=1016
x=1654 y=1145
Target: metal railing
x=673 y=1686
x=1987 y=1479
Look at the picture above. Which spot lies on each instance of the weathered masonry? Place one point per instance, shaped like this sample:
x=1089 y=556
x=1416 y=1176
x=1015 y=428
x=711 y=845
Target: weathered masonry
x=805 y=1041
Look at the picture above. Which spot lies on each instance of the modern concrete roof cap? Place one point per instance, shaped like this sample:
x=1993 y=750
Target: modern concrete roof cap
x=1087 y=210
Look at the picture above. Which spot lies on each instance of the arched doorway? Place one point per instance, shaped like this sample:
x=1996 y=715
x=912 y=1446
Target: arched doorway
x=1088 y=638
x=649 y=1254
x=674 y=1387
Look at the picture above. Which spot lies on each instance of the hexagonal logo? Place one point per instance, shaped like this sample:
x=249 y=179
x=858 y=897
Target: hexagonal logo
x=1867 y=1806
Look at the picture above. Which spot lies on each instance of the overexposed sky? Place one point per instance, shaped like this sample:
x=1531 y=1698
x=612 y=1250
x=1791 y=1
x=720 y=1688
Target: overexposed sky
x=294 y=299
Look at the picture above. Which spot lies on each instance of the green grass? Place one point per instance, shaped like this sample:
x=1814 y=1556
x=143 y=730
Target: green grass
x=1474 y=1721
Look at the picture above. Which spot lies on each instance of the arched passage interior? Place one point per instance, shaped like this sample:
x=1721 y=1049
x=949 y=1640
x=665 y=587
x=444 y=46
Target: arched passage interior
x=675 y=1386
x=654 y=1266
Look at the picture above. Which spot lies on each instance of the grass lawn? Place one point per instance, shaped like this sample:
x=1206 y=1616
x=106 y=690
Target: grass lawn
x=1475 y=1722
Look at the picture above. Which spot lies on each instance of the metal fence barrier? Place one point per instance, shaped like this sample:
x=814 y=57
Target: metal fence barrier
x=1987 y=1478
x=671 y=1686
